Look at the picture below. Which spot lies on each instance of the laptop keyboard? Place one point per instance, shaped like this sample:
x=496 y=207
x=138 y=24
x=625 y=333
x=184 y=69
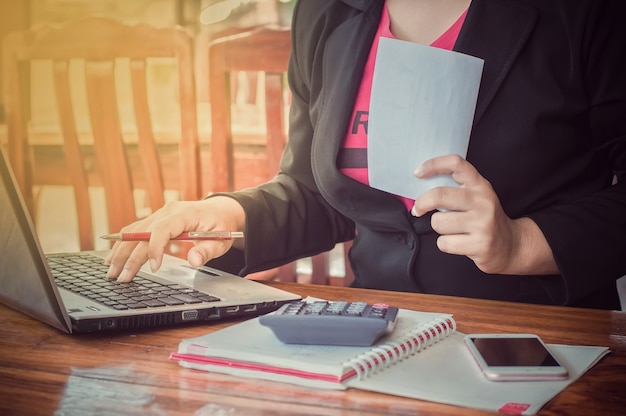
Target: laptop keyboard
x=85 y=275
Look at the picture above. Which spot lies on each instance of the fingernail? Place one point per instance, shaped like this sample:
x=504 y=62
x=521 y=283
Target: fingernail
x=112 y=272
x=418 y=171
x=195 y=259
x=413 y=212
x=153 y=265
x=124 y=276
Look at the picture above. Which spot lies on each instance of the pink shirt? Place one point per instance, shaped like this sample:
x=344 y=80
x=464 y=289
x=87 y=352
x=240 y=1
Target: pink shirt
x=352 y=160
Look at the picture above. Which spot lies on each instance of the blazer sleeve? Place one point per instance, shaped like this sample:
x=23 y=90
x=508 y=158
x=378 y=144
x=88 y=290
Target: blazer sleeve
x=588 y=235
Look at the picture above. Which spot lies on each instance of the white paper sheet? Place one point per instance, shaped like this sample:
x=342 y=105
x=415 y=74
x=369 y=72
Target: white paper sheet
x=422 y=106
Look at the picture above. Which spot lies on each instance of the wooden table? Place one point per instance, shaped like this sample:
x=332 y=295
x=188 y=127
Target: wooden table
x=45 y=372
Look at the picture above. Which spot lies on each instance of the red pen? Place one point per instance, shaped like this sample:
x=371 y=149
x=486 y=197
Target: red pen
x=191 y=235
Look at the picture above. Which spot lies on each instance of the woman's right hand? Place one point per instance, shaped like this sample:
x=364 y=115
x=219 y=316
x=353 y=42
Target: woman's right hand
x=218 y=213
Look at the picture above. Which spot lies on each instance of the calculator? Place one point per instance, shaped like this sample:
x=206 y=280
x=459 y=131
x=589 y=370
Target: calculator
x=331 y=323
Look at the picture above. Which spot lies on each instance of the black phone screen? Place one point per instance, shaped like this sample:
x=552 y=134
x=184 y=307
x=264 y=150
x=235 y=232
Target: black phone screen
x=514 y=352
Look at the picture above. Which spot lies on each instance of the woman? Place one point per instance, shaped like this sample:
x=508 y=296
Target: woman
x=536 y=217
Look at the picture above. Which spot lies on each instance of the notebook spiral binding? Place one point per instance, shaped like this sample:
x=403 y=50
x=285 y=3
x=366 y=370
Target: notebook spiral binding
x=384 y=355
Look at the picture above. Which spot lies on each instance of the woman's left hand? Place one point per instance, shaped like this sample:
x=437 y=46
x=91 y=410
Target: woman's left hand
x=472 y=222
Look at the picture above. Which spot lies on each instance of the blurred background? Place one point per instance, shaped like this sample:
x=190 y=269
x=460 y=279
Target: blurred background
x=203 y=19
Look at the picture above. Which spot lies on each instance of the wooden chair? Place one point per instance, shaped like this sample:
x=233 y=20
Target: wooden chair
x=104 y=158
x=261 y=50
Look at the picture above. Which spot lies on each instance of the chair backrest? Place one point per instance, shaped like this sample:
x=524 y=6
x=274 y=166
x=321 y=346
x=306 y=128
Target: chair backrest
x=102 y=46
x=265 y=50
x=260 y=49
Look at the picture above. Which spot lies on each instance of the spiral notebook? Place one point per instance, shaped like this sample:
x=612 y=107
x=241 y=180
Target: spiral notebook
x=324 y=366
x=423 y=358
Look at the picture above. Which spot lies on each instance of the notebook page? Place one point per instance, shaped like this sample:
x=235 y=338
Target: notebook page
x=448 y=374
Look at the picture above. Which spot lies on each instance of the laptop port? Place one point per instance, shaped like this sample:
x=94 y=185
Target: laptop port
x=189 y=315
x=250 y=308
x=232 y=309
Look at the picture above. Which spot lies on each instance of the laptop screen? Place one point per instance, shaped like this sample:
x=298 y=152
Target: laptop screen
x=24 y=280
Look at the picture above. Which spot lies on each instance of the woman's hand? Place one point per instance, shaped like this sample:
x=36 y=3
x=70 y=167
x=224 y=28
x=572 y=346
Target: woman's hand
x=472 y=222
x=216 y=213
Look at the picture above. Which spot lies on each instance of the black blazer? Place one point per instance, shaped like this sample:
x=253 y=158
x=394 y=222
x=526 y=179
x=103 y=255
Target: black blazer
x=549 y=134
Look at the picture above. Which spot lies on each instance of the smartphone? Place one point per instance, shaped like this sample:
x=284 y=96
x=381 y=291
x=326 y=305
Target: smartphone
x=514 y=357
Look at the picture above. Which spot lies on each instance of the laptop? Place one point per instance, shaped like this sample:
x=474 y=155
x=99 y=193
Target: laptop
x=70 y=291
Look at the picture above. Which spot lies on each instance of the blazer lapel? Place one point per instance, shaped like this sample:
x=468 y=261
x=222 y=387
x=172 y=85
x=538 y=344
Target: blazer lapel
x=345 y=54
x=495 y=31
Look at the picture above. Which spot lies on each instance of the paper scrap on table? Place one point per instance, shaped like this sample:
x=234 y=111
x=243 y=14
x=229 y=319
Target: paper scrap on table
x=422 y=106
